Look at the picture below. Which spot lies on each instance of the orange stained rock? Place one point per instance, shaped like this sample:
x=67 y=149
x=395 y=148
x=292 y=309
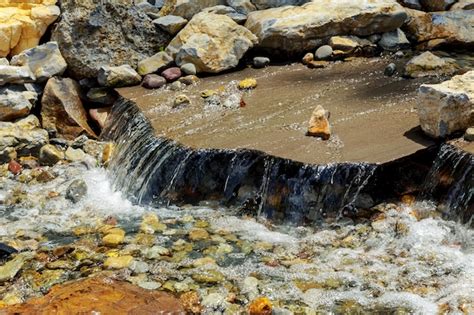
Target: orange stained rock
x=260 y=306
x=99 y=296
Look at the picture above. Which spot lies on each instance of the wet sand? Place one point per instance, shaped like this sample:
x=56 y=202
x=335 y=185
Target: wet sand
x=373 y=117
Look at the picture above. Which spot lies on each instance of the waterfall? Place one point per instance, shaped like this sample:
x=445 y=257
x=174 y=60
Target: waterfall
x=450 y=182
x=156 y=171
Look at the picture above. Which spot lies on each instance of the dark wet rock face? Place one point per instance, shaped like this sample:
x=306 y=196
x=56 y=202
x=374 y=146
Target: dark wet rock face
x=91 y=35
x=159 y=171
x=6 y=251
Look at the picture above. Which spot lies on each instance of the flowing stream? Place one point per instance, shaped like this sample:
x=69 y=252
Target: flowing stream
x=235 y=225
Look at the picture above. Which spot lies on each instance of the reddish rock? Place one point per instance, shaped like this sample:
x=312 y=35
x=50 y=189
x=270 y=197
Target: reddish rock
x=153 y=81
x=99 y=115
x=14 y=167
x=99 y=296
x=171 y=74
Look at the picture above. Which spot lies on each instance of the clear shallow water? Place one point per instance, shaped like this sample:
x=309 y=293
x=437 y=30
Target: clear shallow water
x=407 y=260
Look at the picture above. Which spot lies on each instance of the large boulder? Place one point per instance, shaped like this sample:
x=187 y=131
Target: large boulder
x=25 y=136
x=212 y=42
x=91 y=35
x=299 y=29
x=16 y=101
x=447 y=107
x=441 y=28
x=62 y=109
x=23 y=23
x=44 y=61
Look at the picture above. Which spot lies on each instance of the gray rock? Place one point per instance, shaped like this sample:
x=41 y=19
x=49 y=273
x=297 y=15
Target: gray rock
x=394 y=40
x=242 y=6
x=118 y=76
x=50 y=155
x=447 y=107
x=261 y=62
x=155 y=63
x=4 y=62
x=176 y=86
x=153 y=81
x=16 y=101
x=189 y=79
x=188 y=68
x=76 y=190
x=267 y=4
x=17 y=75
x=25 y=135
x=44 y=61
x=219 y=9
x=390 y=70
x=212 y=42
x=91 y=35
x=324 y=52
x=303 y=28
x=188 y=8
x=102 y=95
x=469 y=135
x=171 y=23
x=238 y=17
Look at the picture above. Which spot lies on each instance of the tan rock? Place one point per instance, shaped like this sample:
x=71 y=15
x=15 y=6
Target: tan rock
x=447 y=107
x=23 y=23
x=441 y=28
x=155 y=63
x=212 y=42
x=62 y=108
x=50 y=155
x=102 y=296
x=198 y=234
x=25 y=135
x=114 y=237
x=428 y=64
x=319 y=124
x=302 y=28
x=118 y=262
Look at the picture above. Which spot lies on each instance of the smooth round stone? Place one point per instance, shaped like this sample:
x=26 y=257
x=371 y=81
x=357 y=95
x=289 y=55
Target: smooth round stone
x=261 y=62
x=324 y=52
x=390 y=70
x=153 y=81
x=171 y=74
x=189 y=69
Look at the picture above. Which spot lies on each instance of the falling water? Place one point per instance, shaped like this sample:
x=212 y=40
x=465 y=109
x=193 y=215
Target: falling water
x=450 y=182
x=159 y=172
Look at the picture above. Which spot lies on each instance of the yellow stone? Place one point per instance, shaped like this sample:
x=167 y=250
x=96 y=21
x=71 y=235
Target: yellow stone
x=208 y=93
x=118 y=262
x=248 y=83
x=23 y=23
x=203 y=261
x=107 y=153
x=151 y=224
x=113 y=239
x=198 y=234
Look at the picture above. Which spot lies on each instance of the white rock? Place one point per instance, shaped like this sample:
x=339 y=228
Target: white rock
x=447 y=107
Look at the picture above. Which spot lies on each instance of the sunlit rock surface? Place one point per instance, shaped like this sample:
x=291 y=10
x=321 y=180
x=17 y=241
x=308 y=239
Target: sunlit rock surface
x=23 y=23
x=297 y=29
